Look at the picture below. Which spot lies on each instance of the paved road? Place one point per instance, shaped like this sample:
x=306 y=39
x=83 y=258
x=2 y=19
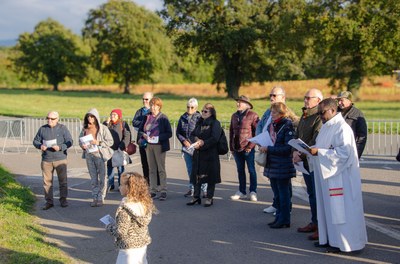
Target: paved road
x=228 y=232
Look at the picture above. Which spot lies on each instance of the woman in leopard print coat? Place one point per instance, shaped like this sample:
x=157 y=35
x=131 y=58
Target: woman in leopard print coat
x=133 y=216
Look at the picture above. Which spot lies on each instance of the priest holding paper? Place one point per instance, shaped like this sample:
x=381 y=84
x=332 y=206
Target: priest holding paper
x=341 y=222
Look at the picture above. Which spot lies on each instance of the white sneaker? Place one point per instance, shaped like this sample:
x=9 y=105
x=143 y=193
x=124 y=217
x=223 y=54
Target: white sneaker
x=238 y=195
x=253 y=196
x=269 y=210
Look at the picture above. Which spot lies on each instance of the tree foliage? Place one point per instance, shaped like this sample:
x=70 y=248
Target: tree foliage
x=127 y=41
x=239 y=35
x=50 y=54
x=356 y=39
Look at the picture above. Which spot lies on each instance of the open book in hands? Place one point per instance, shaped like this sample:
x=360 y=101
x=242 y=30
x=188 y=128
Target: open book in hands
x=300 y=145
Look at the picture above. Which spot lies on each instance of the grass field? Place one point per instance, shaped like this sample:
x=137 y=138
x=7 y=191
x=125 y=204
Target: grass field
x=22 y=239
x=36 y=103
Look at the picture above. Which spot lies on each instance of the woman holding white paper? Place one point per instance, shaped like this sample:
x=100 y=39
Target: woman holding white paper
x=156 y=130
x=279 y=168
x=96 y=141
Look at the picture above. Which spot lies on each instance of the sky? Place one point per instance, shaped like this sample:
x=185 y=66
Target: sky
x=19 y=16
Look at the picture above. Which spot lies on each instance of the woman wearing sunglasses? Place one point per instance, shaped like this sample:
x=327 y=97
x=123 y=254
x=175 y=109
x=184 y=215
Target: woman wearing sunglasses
x=206 y=166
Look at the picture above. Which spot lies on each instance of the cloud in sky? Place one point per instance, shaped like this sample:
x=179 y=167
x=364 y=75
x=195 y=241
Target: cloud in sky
x=18 y=16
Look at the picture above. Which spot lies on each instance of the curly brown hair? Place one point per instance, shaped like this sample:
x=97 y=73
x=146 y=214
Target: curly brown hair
x=138 y=190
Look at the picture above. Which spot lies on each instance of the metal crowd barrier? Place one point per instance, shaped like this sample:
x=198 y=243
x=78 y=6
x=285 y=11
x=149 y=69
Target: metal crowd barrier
x=16 y=135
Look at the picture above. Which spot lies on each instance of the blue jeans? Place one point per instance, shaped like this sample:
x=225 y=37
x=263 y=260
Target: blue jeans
x=310 y=183
x=241 y=158
x=110 y=175
x=283 y=202
x=189 y=161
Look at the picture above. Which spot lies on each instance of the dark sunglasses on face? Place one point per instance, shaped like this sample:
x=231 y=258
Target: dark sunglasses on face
x=51 y=118
x=145 y=99
x=309 y=97
x=190 y=107
x=204 y=111
x=273 y=95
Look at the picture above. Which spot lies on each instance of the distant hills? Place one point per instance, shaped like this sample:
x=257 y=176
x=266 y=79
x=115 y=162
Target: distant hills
x=7 y=42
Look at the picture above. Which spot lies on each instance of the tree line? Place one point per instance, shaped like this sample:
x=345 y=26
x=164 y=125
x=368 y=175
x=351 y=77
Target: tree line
x=229 y=43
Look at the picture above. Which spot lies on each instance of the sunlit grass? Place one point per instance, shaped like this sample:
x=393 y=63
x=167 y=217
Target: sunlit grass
x=22 y=239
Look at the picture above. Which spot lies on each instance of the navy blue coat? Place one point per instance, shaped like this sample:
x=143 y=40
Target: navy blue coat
x=279 y=157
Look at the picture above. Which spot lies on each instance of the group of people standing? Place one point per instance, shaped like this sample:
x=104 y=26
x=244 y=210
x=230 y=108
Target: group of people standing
x=333 y=179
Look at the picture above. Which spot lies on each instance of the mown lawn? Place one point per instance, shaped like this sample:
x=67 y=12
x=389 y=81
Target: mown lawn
x=22 y=239
x=36 y=103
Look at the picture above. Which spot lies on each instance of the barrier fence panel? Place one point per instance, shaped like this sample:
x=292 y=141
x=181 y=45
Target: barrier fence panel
x=17 y=134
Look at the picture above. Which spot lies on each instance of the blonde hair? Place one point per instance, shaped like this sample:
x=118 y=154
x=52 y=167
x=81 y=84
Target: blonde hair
x=284 y=111
x=138 y=190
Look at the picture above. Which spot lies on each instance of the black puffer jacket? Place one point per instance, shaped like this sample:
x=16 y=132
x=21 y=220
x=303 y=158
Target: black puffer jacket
x=279 y=157
x=356 y=120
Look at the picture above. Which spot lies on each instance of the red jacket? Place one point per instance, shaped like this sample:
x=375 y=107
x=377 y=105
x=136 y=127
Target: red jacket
x=241 y=131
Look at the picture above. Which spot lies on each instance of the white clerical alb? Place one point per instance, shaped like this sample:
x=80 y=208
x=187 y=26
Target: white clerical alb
x=340 y=210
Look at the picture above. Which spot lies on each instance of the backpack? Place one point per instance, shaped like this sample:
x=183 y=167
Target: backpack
x=222 y=144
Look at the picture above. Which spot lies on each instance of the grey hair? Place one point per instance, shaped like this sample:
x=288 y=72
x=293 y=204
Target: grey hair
x=55 y=113
x=318 y=93
x=279 y=87
x=193 y=101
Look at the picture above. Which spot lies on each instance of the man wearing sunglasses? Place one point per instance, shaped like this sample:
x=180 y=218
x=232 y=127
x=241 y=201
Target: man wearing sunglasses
x=137 y=120
x=53 y=139
x=307 y=130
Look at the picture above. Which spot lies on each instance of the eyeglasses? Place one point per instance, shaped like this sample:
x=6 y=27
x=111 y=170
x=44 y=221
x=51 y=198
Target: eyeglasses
x=51 y=118
x=309 y=97
x=145 y=99
x=190 y=107
x=322 y=112
x=205 y=111
x=274 y=95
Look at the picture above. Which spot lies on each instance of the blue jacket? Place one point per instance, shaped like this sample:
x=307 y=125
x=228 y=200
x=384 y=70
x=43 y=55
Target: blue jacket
x=186 y=126
x=279 y=157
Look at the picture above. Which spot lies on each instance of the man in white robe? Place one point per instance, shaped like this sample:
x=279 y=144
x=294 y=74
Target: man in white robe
x=341 y=223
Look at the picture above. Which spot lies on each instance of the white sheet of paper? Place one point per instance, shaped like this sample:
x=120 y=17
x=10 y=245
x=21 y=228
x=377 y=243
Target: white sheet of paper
x=50 y=143
x=263 y=139
x=189 y=150
x=153 y=140
x=107 y=219
x=299 y=166
x=85 y=140
x=300 y=146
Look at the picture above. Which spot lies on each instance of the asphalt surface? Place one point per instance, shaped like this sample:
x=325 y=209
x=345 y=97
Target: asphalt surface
x=227 y=232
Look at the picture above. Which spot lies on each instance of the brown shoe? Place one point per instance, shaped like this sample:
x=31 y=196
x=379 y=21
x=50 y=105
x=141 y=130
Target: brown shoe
x=308 y=228
x=47 y=206
x=314 y=236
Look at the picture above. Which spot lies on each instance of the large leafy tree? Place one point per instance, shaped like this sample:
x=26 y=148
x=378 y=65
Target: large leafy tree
x=50 y=54
x=127 y=41
x=238 y=35
x=356 y=39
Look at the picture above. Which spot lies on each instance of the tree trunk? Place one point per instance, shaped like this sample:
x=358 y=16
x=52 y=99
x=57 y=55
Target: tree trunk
x=356 y=76
x=233 y=76
x=55 y=87
x=126 y=87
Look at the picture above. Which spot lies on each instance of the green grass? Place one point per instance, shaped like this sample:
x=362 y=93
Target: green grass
x=36 y=103
x=22 y=239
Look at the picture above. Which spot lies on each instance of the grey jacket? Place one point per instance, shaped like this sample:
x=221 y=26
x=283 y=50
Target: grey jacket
x=104 y=137
x=58 y=132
